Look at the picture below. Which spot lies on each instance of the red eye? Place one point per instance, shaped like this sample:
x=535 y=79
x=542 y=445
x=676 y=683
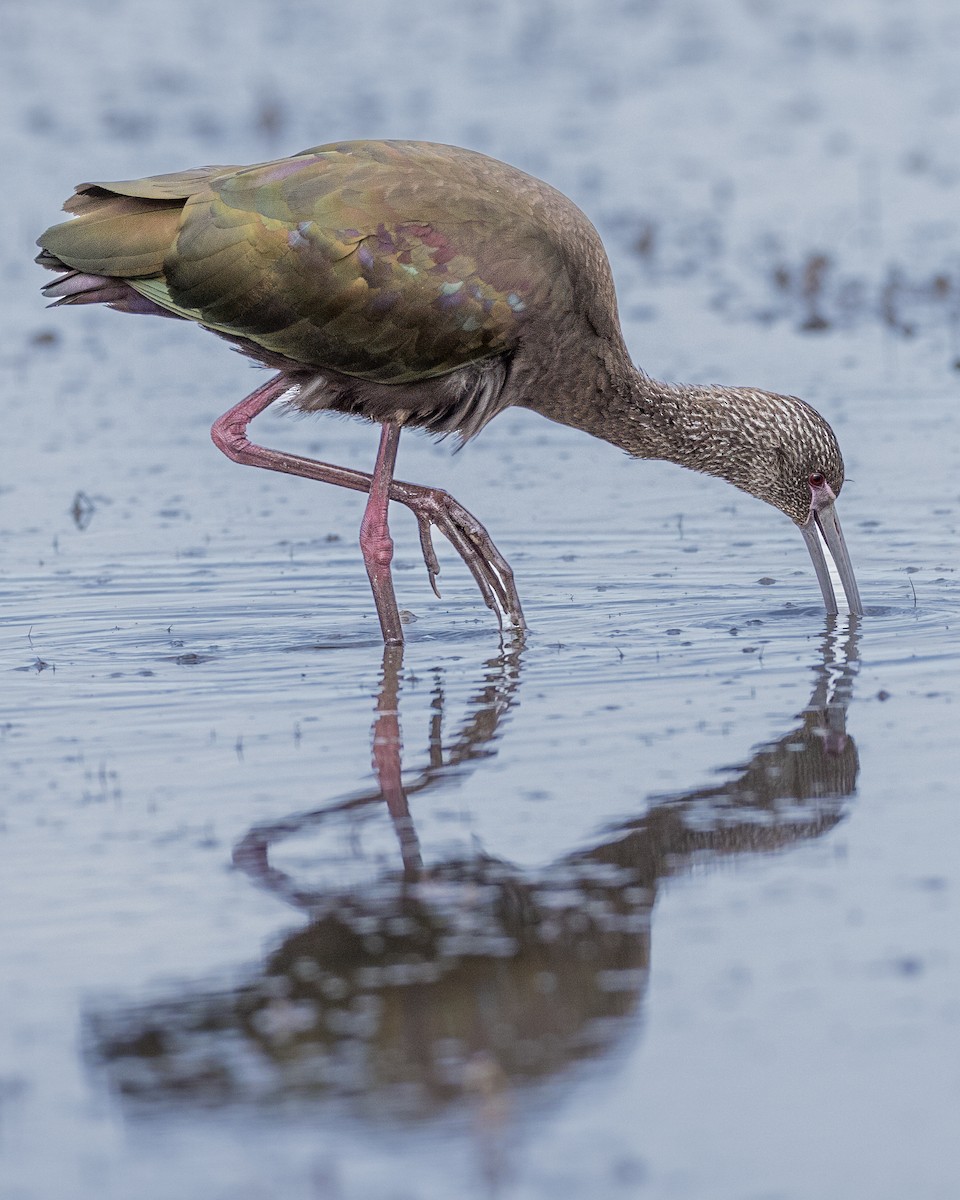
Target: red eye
x=817 y=480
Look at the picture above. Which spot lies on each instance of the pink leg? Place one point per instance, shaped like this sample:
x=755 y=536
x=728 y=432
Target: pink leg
x=229 y=434
x=375 y=540
x=431 y=506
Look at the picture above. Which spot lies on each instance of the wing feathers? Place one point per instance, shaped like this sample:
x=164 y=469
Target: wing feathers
x=393 y=262
x=178 y=185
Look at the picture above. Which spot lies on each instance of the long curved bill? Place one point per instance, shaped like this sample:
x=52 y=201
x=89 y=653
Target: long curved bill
x=824 y=521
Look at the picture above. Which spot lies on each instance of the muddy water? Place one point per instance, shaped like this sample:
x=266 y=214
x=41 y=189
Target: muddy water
x=661 y=901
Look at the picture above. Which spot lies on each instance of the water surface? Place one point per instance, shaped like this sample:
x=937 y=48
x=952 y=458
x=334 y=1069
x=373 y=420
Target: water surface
x=659 y=901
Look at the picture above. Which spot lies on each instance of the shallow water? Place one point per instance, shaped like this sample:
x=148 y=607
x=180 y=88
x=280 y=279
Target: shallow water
x=660 y=901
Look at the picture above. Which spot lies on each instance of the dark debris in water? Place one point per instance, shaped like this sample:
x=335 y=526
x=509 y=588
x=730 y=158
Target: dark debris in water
x=816 y=290
x=818 y=293
x=82 y=510
x=38 y=665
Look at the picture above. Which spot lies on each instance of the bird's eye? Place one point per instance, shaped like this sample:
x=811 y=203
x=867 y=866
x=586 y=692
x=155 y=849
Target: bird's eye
x=817 y=480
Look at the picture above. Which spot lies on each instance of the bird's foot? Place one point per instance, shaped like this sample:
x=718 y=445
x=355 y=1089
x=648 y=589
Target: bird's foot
x=494 y=575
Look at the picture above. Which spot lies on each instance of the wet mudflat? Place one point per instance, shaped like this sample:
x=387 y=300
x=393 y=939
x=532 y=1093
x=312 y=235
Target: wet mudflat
x=661 y=901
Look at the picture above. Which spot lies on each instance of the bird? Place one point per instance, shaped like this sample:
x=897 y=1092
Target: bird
x=426 y=286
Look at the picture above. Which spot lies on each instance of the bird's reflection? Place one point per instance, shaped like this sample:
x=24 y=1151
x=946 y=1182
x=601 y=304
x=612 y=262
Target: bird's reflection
x=467 y=978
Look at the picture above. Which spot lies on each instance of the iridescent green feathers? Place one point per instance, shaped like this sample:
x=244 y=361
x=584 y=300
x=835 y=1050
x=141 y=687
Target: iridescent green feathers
x=391 y=261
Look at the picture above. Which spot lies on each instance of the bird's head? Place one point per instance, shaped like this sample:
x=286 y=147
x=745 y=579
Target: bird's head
x=795 y=456
x=793 y=462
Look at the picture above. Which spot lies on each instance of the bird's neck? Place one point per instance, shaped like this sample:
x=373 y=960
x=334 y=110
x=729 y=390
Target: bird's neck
x=704 y=428
x=696 y=426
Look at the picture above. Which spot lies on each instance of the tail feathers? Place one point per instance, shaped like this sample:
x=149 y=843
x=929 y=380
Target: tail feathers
x=77 y=287
x=50 y=261
x=122 y=236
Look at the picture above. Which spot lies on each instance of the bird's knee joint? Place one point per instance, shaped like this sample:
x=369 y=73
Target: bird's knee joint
x=377 y=546
x=230 y=438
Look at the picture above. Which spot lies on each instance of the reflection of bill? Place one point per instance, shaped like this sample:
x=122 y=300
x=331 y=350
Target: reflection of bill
x=468 y=978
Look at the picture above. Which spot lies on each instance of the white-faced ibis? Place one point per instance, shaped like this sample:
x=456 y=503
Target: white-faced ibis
x=423 y=285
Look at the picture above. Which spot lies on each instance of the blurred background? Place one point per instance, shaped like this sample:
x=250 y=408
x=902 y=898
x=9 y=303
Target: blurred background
x=673 y=912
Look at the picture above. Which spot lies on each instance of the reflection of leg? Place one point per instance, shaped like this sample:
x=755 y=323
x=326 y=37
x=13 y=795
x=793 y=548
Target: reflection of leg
x=387 y=761
x=431 y=506
x=376 y=543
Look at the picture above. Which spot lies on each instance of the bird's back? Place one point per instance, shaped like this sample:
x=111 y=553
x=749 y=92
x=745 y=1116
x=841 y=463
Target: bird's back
x=389 y=261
